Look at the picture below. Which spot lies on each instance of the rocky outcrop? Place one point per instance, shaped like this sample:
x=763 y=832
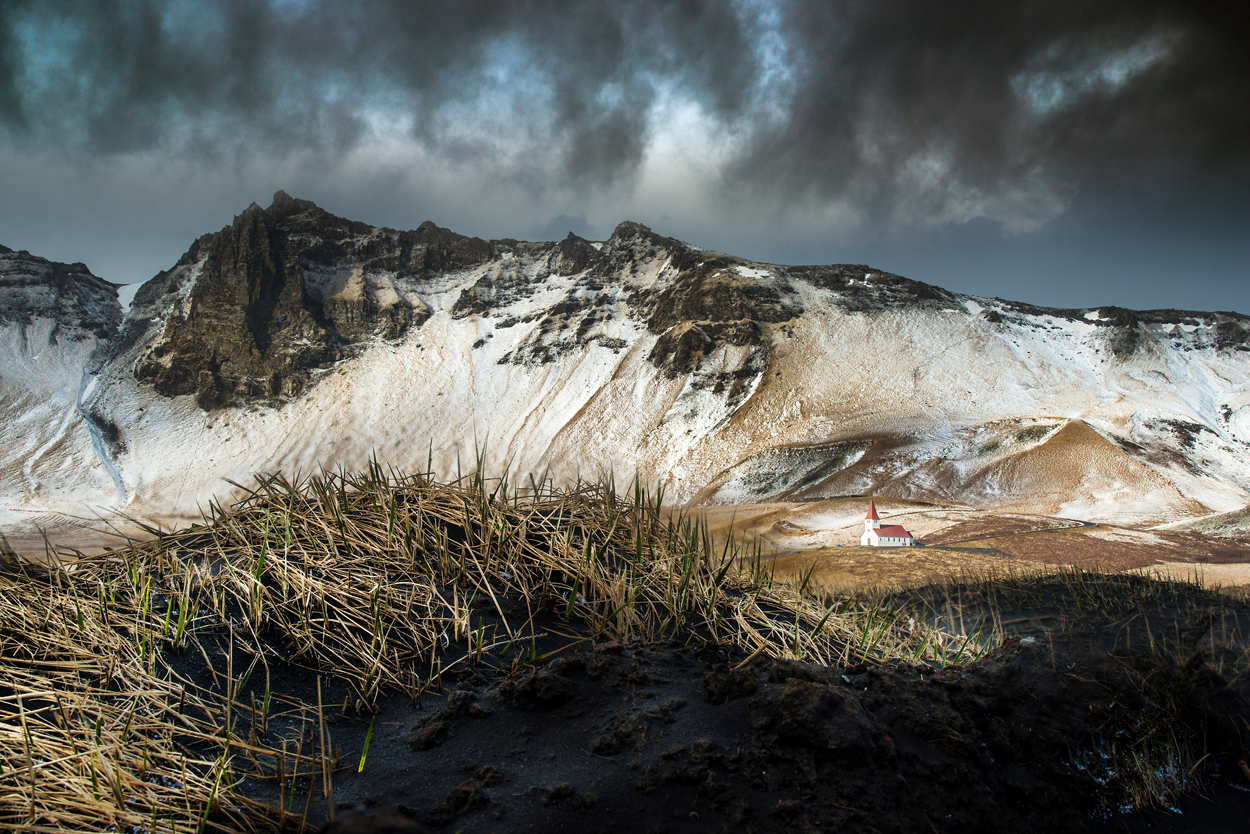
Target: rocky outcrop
x=80 y=305
x=246 y=331
x=255 y=311
x=1123 y=333
x=860 y=288
x=723 y=378
x=252 y=312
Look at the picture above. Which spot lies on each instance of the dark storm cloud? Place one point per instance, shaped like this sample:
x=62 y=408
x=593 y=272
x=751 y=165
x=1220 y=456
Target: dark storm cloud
x=10 y=97
x=917 y=105
x=578 y=78
x=919 y=112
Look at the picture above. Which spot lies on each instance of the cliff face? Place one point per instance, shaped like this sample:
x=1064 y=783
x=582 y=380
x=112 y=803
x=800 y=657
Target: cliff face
x=247 y=331
x=253 y=313
x=250 y=313
x=257 y=311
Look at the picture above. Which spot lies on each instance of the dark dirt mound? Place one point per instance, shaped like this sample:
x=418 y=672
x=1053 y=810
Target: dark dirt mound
x=666 y=737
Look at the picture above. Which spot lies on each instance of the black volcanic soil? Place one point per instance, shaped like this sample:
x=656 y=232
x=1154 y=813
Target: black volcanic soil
x=698 y=737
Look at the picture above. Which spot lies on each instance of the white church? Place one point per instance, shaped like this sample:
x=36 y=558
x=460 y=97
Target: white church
x=877 y=534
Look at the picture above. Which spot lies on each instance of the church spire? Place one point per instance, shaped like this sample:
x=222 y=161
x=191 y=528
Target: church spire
x=872 y=521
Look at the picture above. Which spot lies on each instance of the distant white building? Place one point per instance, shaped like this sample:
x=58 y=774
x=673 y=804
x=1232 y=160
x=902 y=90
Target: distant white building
x=878 y=535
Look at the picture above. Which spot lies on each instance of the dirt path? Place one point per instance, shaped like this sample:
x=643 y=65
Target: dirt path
x=1070 y=524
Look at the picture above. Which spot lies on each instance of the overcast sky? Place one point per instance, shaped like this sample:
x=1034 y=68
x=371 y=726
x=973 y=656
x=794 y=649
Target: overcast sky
x=1062 y=153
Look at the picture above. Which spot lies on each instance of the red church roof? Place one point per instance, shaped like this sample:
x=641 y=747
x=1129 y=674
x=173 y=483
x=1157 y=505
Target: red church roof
x=872 y=512
x=894 y=531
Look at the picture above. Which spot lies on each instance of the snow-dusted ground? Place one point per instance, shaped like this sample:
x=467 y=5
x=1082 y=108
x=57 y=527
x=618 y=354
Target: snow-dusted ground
x=48 y=466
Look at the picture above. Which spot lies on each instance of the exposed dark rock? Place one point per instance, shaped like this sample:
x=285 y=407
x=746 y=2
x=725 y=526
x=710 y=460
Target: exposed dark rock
x=475 y=300
x=1185 y=432
x=573 y=255
x=1125 y=334
x=787 y=472
x=681 y=350
x=717 y=299
x=1232 y=335
x=629 y=231
x=1127 y=331
x=109 y=432
x=441 y=250
x=284 y=205
x=80 y=304
x=710 y=304
x=565 y=326
x=357 y=318
x=246 y=332
x=864 y=289
x=250 y=312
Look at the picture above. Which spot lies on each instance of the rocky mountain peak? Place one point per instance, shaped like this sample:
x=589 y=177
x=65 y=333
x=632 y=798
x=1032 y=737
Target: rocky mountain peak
x=253 y=311
x=284 y=205
x=629 y=229
x=717 y=375
x=245 y=330
x=574 y=255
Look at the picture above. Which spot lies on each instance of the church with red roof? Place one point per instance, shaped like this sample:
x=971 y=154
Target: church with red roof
x=877 y=534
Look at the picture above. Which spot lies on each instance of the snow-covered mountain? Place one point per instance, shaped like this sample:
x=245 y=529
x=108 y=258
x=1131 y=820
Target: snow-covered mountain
x=57 y=326
x=294 y=339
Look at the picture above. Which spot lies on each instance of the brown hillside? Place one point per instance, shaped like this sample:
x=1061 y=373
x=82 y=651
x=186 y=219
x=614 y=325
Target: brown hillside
x=1077 y=472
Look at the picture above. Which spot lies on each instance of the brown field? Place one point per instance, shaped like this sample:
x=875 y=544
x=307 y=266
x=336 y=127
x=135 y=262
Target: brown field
x=823 y=538
x=839 y=569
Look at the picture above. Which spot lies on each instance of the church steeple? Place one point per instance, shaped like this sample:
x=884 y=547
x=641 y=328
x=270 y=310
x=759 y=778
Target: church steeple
x=872 y=521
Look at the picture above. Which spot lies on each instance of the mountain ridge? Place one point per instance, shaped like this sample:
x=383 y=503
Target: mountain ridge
x=332 y=318
x=293 y=339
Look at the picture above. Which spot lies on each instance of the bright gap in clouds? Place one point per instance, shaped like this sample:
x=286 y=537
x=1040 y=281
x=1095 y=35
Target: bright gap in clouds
x=1064 y=73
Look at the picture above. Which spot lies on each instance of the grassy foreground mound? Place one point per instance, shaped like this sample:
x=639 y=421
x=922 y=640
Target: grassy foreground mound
x=247 y=674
